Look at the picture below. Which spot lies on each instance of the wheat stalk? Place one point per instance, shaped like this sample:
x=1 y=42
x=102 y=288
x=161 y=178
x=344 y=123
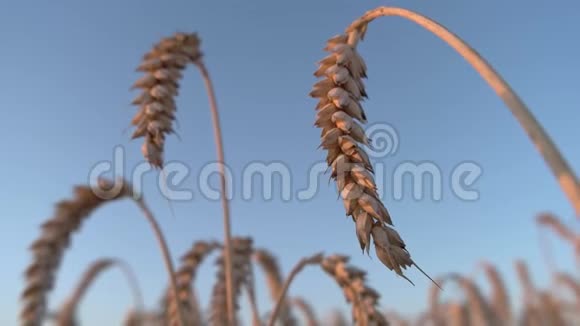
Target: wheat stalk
x=269 y=266
x=55 y=236
x=154 y=120
x=67 y=313
x=560 y=168
x=314 y=259
x=306 y=309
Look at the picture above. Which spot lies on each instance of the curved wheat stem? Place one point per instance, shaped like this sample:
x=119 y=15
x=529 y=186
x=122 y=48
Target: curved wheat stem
x=315 y=259
x=55 y=236
x=163 y=66
x=67 y=313
x=307 y=311
x=564 y=175
x=548 y=220
x=269 y=266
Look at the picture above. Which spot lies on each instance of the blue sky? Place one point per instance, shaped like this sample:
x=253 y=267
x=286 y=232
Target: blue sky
x=67 y=67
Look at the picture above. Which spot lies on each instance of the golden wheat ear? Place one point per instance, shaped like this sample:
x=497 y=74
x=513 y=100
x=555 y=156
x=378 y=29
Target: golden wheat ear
x=48 y=249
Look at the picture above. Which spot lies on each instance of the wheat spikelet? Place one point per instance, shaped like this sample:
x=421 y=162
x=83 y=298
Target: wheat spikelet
x=500 y=302
x=185 y=276
x=269 y=266
x=49 y=247
x=307 y=311
x=67 y=313
x=162 y=66
x=241 y=259
x=339 y=114
x=364 y=299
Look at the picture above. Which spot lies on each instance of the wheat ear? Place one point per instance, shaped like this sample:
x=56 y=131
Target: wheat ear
x=500 y=302
x=269 y=265
x=307 y=311
x=67 y=313
x=55 y=236
x=314 y=259
x=154 y=120
x=185 y=275
x=560 y=168
x=364 y=299
x=241 y=258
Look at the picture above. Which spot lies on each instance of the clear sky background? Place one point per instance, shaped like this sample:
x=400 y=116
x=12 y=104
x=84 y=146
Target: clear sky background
x=66 y=71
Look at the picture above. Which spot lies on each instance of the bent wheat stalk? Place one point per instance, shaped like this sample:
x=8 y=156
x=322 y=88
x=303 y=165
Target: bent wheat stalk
x=163 y=66
x=560 y=168
x=307 y=311
x=269 y=266
x=314 y=259
x=67 y=313
x=49 y=248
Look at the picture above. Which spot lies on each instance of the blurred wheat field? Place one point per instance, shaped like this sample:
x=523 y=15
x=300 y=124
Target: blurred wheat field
x=340 y=115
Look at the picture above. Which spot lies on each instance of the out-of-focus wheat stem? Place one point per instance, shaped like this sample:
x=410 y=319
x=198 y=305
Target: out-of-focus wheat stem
x=66 y=314
x=307 y=311
x=166 y=259
x=217 y=131
x=560 y=168
x=315 y=259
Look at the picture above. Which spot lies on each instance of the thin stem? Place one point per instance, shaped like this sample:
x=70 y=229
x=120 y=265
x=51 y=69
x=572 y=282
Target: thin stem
x=315 y=259
x=560 y=168
x=69 y=308
x=166 y=258
x=217 y=132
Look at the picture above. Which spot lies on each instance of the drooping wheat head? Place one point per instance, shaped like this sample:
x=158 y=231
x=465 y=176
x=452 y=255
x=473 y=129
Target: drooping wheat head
x=364 y=299
x=185 y=276
x=500 y=302
x=163 y=67
x=49 y=247
x=339 y=115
